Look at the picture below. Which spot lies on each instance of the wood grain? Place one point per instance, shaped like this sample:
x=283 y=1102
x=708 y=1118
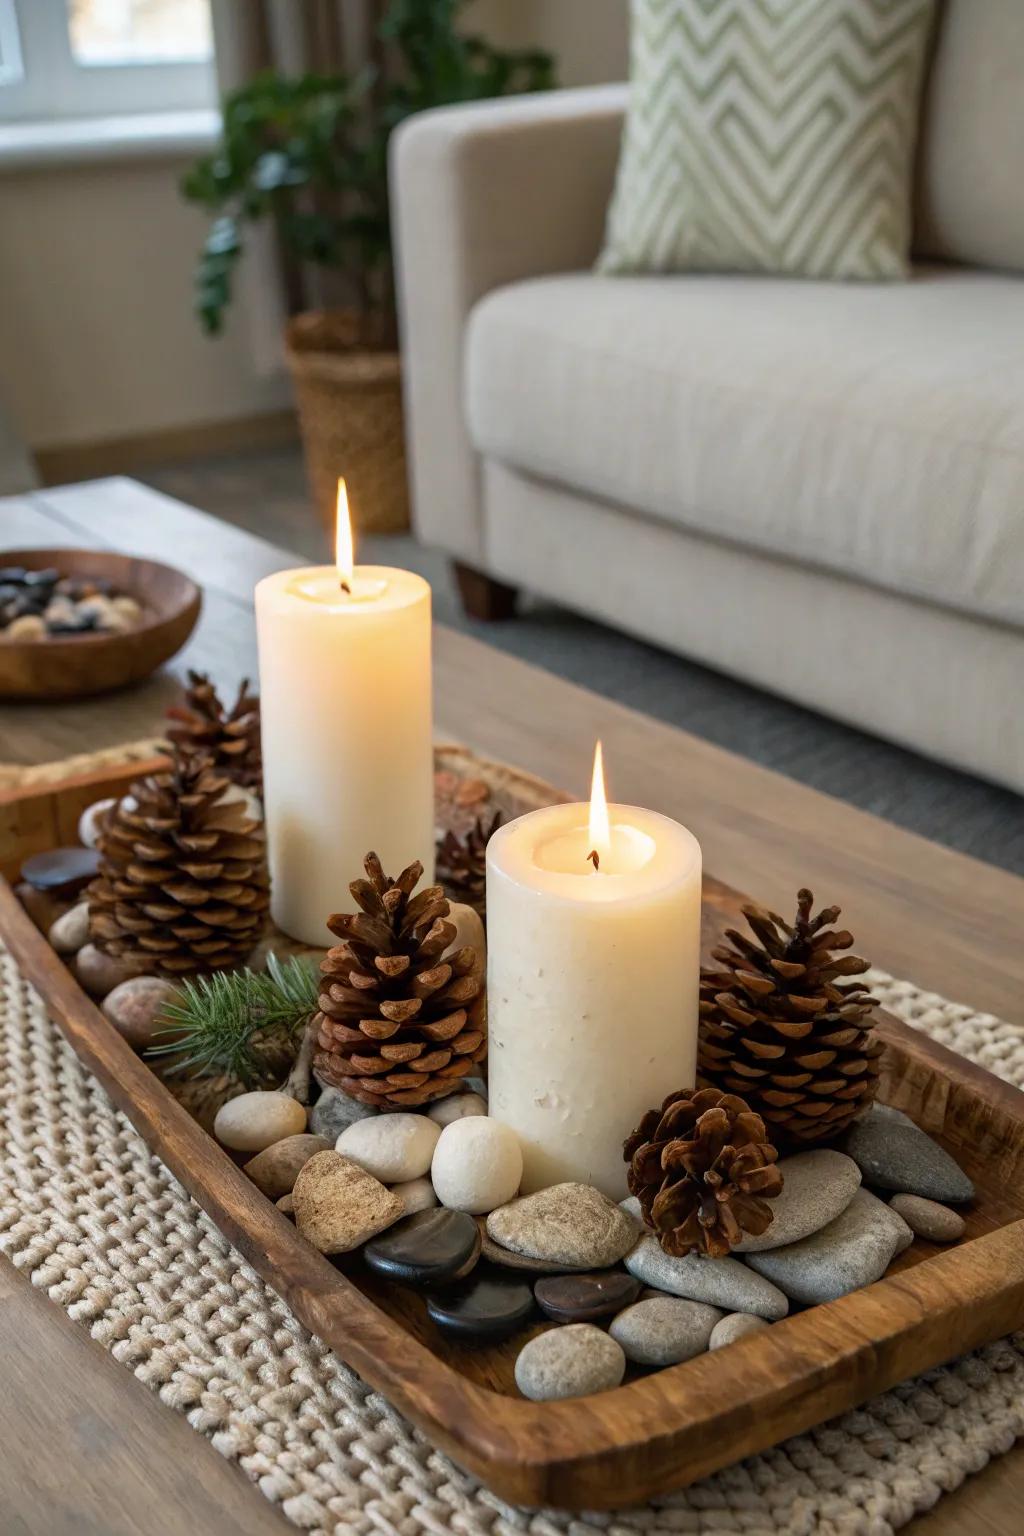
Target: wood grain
x=655 y=1432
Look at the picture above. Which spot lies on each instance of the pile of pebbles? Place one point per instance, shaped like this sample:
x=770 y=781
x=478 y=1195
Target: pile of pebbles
x=430 y=1201
x=35 y=605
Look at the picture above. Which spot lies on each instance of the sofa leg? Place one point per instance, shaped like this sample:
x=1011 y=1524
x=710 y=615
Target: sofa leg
x=482 y=596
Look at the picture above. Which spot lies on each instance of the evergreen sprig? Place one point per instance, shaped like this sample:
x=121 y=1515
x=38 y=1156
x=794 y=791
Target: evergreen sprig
x=243 y=1024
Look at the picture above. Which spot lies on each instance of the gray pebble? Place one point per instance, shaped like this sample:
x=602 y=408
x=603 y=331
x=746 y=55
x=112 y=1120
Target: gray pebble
x=333 y=1111
x=665 y=1330
x=569 y=1362
x=71 y=930
x=725 y=1283
x=893 y=1153
x=854 y=1250
x=736 y=1326
x=817 y=1187
x=929 y=1219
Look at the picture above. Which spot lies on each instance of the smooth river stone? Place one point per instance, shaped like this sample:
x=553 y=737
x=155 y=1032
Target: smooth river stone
x=508 y=1260
x=71 y=930
x=477 y=1164
x=394 y=1148
x=334 y=1111
x=571 y=1224
x=136 y=1009
x=429 y=1248
x=569 y=1362
x=483 y=1310
x=251 y=1121
x=853 y=1251
x=457 y=1106
x=928 y=1219
x=586 y=1298
x=664 y=1330
x=338 y=1205
x=275 y=1169
x=735 y=1326
x=893 y=1153
x=62 y=872
x=817 y=1187
x=415 y=1195
x=724 y=1283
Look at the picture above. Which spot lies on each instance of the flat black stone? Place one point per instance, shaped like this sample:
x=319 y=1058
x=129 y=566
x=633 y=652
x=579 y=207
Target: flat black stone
x=12 y=573
x=585 y=1298
x=486 y=1308
x=63 y=871
x=427 y=1249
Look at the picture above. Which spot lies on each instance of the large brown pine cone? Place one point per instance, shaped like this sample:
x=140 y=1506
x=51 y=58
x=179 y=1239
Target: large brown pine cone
x=230 y=738
x=780 y=1026
x=398 y=1025
x=703 y=1170
x=183 y=879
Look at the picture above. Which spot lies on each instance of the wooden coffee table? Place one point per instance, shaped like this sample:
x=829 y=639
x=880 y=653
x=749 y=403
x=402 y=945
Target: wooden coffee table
x=947 y=922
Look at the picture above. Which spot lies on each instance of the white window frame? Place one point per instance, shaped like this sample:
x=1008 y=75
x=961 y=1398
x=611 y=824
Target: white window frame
x=51 y=85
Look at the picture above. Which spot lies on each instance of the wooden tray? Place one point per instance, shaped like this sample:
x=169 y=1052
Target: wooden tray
x=657 y=1431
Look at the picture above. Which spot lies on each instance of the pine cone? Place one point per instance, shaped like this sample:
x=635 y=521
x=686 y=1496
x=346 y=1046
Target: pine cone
x=779 y=1027
x=183 y=880
x=462 y=863
x=399 y=1026
x=703 y=1170
x=229 y=738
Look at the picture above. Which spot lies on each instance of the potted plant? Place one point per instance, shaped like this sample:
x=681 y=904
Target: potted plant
x=309 y=155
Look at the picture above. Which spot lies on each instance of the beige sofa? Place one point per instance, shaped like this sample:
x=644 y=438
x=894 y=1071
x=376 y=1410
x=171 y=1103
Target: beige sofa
x=816 y=487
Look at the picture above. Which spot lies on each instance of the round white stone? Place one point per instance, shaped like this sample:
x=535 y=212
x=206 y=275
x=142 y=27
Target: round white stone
x=469 y=931
x=415 y=1195
x=90 y=822
x=70 y=932
x=477 y=1166
x=394 y=1148
x=253 y=1121
x=250 y=802
x=569 y=1362
x=458 y=1106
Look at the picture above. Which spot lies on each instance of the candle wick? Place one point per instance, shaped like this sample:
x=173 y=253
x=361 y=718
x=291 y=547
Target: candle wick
x=346 y=588
x=595 y=858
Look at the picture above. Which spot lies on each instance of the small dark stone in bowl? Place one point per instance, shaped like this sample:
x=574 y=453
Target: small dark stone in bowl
x=586 y=1298
x=487 y=1308
x=12 y=573
x=47 y=578
x=63 y=871
x=426 y=1249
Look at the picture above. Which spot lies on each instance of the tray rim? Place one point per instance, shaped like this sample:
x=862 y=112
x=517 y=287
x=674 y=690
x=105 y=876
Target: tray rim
x=615 y=1448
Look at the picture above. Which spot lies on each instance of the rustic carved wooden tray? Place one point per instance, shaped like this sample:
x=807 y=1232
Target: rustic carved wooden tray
x=657 y=1431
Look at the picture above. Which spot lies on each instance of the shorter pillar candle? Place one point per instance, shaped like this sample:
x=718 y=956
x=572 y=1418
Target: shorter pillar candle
x=593 y=977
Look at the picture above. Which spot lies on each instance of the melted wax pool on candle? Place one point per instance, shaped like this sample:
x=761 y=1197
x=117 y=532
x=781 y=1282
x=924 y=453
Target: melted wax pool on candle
x=569 y=853
x=326 y=589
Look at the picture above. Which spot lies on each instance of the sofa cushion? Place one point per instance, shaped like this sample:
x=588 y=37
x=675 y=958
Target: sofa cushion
x=877 y=431
x=970 y=205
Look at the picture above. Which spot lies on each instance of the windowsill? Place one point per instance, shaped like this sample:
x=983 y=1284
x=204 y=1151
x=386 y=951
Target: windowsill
x=107 y=140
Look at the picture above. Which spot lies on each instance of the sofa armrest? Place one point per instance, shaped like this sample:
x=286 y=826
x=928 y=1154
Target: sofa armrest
x=484 y=195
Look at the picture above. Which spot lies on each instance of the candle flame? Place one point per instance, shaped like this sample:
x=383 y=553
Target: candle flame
x=600 y=832
x=344 y=555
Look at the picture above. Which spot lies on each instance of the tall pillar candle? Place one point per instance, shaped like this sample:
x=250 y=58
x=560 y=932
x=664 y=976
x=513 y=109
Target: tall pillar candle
x=593 y=980
x=346 y=720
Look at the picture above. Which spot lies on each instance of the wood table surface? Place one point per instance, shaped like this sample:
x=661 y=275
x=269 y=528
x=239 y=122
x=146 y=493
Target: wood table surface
x=944 y=921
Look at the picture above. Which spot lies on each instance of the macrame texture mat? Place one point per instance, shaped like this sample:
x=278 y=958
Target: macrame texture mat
x=95 y=1220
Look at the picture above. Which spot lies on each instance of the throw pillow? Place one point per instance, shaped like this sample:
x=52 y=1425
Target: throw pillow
x=770 y=136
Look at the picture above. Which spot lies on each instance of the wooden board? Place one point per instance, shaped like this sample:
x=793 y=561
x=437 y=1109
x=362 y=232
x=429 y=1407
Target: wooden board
x=657 y=1431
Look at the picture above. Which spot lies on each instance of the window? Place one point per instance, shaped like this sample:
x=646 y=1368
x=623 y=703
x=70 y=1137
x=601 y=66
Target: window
x=90 y=58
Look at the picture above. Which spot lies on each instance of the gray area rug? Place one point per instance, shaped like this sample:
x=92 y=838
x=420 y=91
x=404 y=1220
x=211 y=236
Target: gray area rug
x=266 y=493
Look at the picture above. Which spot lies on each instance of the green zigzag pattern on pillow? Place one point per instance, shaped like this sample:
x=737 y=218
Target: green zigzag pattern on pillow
x=770 y=136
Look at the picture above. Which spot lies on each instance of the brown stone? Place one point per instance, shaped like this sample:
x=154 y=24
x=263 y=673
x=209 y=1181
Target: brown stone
x=275 y=1169
x=339 y=1206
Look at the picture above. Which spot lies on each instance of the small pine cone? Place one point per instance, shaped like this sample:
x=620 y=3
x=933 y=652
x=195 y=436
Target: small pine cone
x=779 y=1025
x=462 y=863
x=230 y=738
x=183 y=883
x=703 y=1170
x=401 y=1021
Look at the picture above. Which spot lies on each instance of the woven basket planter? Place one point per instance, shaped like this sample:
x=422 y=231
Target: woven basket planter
x=349 y=399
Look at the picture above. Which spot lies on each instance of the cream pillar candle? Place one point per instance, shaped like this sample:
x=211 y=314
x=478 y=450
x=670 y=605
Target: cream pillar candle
x=345 y=691
x=592 y=982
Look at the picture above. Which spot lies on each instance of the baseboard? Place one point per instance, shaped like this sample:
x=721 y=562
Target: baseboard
x=64 y=462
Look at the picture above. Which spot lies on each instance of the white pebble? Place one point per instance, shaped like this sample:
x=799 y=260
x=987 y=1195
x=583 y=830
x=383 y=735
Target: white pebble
x=477 y=1166
x=90 y=824
x=415 y=1195
x=28 y=627
x=247 y=798
x=394 y=1148
x=458 y=1106
x=70 y=932
x=256 y=1120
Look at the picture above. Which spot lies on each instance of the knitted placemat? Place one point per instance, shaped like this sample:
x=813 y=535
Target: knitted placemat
x=92 y=1217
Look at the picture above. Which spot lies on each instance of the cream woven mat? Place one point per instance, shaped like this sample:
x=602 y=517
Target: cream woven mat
x=95 y=1220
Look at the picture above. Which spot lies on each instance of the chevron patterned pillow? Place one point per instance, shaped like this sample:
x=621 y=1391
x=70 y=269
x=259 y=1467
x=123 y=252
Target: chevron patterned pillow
x=770 y=136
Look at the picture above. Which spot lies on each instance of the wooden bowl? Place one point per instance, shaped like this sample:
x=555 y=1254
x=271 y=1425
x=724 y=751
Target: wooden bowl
x=74 y=666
